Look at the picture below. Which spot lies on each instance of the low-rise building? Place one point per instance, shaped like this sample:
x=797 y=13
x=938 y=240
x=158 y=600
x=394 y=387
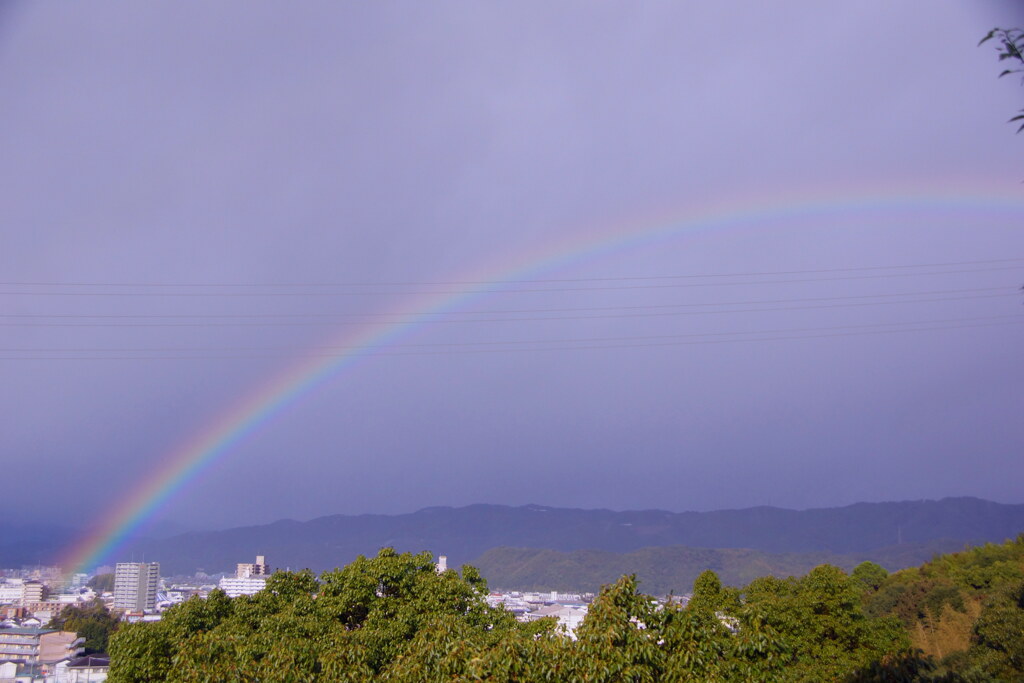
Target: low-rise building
x=569 y=617
x=11 y=591
x=13 y=612
x=88 y=669
x=38 y=645
x=44 y=611
x=235 y=586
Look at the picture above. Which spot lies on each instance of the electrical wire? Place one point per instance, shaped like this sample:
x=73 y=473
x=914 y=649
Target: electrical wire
x=489 y=311
x=582 y=343
x=500 y=287
x=492 y=282
x=425 y=317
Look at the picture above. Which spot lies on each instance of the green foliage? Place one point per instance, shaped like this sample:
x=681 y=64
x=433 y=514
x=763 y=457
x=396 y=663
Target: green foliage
x=140 y=652
x=91 y=621
x=102 y=583
x=707 y=593
x=998 y=647
x=868 y=576
x=820 y=620
x=395 y=618
x=911 y=602
x=907 y=667
x=983 y=588
x=351 y=623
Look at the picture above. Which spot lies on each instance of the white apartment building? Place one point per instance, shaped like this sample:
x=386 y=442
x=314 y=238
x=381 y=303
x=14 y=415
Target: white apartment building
x=135 y=585
x=249 y=579
x=242 y=585
x=11 y=591
x=20 y=592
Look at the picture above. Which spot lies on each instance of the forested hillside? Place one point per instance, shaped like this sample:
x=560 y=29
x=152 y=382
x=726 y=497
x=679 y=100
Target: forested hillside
x=673 y=569
x=965 y=610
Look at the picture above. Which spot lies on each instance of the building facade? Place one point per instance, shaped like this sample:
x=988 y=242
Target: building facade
x=38 y=645
x=257 y=568
x=249 y=579
x=135 y=585
x=247 y=585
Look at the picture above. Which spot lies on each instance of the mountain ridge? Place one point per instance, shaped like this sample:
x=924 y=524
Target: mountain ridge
x=465 y=533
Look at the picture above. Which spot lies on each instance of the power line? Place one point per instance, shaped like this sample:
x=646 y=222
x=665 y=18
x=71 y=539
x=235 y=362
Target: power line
x=675 y=285
x=513 y=281
x=423 y=318
x=489 y=311
x=537 y=344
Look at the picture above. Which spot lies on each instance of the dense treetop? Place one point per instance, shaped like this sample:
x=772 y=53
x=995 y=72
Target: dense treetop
x=92 y=621
x=394 y=617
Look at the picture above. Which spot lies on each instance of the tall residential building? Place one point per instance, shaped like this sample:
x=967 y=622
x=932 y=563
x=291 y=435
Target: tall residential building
x=135 y=585
x=258 y=568
x=34 y=592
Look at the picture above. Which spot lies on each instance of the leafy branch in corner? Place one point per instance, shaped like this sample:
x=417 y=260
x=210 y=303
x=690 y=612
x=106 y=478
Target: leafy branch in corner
x=1011 y=47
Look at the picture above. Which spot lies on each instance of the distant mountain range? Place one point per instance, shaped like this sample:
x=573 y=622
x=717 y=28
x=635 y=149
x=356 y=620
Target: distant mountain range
x=534 y=546
x=896 y=534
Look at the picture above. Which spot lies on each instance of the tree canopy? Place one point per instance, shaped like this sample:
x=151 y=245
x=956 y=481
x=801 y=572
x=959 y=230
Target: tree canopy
x=92 y=621
x=102 y=582
x=964 y=611
x=394 y=617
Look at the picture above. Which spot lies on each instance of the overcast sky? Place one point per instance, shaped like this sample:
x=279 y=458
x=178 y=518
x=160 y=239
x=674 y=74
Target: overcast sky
x=264 y=144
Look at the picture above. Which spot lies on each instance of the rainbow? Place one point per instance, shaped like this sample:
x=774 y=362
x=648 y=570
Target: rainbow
x=186 y=463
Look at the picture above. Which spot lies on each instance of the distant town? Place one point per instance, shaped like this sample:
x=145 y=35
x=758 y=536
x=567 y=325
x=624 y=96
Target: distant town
x=31 y=598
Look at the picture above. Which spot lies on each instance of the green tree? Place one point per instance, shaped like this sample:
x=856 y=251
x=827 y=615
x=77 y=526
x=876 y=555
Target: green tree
x=868 y=576
x=998 y=644
x=393 y=617
x=707 y=593
x=91 y=621
x=372 y=618
x=819 y=618
x=102 y=583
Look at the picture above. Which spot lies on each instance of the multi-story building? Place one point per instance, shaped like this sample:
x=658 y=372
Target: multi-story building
x=34 y=591
x=248 y=580
x=22 y=592
x=38 y=645
x=246 y=585
x=45 y=610
x=135 y=585
x=258 y=568
x=12 y=591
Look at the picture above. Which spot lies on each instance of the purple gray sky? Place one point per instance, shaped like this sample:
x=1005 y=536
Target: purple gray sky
x=350 y=146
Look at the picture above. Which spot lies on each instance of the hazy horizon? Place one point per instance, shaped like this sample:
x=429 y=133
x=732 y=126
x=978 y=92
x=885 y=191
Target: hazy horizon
x=169 y=527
